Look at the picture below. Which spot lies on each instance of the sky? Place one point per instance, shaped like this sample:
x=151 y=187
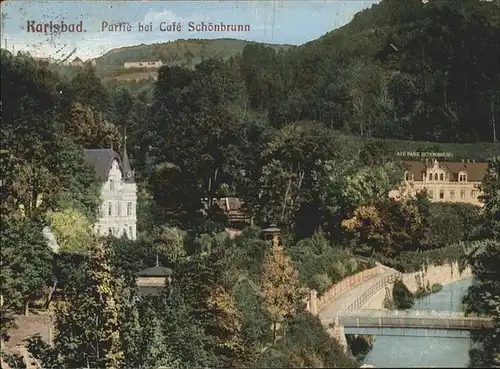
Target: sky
x=292 y=22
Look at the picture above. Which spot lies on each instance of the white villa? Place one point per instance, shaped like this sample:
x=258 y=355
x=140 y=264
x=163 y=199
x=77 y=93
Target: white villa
x=117 y=215
x=445 y=181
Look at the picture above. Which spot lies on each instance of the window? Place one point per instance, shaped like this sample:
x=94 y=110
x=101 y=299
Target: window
x=119 y=209
x=111 y=184
x=110 y=209
x=130 y=231
x=441 y=194
x=409 y=176
x=462 y=177
x=452 y=194
x=430 y=194
x=473 y=194
x=462 y=194
x=129 y=208
x=441 y=177
x=435 y=176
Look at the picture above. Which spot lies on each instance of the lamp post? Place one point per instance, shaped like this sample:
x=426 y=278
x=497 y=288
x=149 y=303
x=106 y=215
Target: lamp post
x=271 y=233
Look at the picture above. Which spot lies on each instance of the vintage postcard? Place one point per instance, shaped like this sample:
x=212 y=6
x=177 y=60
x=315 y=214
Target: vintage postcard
x=250 y=184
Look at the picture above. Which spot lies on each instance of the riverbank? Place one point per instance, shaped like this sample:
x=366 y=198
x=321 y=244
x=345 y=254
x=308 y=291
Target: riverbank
x=418 y=281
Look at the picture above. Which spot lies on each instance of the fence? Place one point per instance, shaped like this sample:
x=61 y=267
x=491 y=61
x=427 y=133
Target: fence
x=413 y=319
x=370 y=292
x=315 y=304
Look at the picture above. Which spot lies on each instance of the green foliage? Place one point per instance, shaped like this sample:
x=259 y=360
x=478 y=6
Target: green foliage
x=401 y=295
x=72 y=230
x=92 y=305
x=483 y=298
x=408 y=262
x=88 y=89
x=27 y=262
x=169 y=242
x=306 y=344
x=322 y=264
x=491 y=189
x=427 y=290
x=451 y=223
x=130 y=257
x=179 y=52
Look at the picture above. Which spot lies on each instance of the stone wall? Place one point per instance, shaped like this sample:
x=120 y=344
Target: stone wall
x=41 y=323
x=316 y=304
x=441 y=274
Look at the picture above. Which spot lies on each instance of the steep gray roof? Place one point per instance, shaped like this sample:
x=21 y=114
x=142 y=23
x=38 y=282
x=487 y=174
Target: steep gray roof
x=101 y=160
x=156 y=271
x=128 y=173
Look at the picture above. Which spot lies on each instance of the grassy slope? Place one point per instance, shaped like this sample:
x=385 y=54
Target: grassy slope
x=186 y=53
x=477 y=151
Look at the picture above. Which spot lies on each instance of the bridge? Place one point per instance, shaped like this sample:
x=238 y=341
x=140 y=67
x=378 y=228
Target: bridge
x=411 y=323
x=343 y=315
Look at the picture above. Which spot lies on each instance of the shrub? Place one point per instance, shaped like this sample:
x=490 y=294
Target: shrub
x=337 y=271
x=352 y=265
x=321 y=282
x=401 y=295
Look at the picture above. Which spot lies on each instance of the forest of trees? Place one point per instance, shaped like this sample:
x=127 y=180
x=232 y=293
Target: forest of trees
x=262 y=126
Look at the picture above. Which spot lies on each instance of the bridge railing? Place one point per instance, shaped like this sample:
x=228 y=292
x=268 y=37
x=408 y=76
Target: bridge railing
x=370 y=292
x=414 y=319
x=409 y=313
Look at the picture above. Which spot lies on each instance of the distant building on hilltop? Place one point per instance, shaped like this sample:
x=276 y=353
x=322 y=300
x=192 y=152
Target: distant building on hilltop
x=456 y=182
x=77 y=62
x=117 y=214
x=143 y=64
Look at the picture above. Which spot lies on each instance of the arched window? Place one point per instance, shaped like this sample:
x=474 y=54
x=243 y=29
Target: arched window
x=441 y=177
x=441 y=194
x=462 y=177
x=435 y=176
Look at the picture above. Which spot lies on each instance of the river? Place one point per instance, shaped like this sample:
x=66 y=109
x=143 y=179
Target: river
x=413 y=352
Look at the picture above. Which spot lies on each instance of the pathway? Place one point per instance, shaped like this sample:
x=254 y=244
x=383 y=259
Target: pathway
x=341 y=303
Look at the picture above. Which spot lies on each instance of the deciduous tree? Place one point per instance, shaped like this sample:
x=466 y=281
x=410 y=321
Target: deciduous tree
x=87 y=323
x=280 y=286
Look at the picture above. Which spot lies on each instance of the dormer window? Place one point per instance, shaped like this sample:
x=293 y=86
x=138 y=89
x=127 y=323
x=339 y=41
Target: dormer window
x=462 y=177
x=441 y=177
x=435 y=176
